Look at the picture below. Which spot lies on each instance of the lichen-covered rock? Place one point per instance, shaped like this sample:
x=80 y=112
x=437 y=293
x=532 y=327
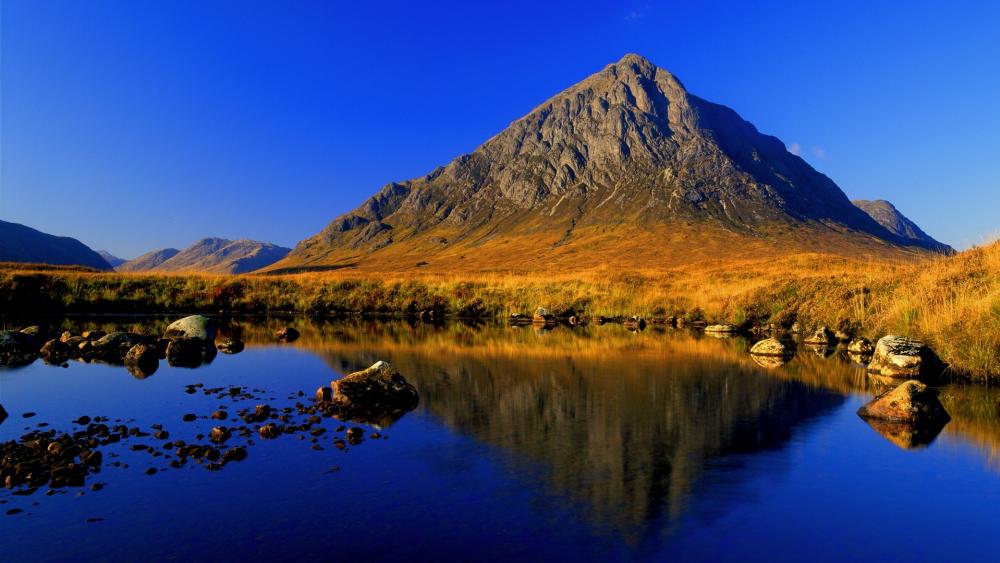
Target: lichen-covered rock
x=373 y=393
x=822 y=337
x=771 y=347
x=194 y=326
x=911 y=402
x=17 y=348
x=899 y=356
x=861 y=346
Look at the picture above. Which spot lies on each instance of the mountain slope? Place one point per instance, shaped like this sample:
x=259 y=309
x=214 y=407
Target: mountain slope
x=212 y=255
x=19 y=243
x=111 y=259
x=889 y=217
x=148 y=261
x=622 y=168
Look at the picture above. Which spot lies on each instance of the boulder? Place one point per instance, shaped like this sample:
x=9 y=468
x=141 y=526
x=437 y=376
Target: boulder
x=635 y=323
x=186 y=352
x=32 y=331
x=3 y=414
x=771 y=347
x=722 y=329
x=220 y=434
x=17 y=348
x=324 y=394
x=373 y=393
x=269 y=431
x=230 y=346
x=195 y=326
x=66 y=336
x=286 y=334
x=142 y=356
x=111 y=347
x=770 y=361
x=822 y=337
x=861 y=346
x=54 y=352
x=911 y=402
x=93 y=334
x=519 y=319
x=899 y=356
x=841 y=336
x=543 y=316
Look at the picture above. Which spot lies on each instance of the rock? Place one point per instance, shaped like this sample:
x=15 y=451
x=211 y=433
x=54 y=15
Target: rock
x=189 y=417
x=238 y=453
x=355 y=435
x=269 y=431
x=796 y=327
x=17 y=348
x=142 y=355
x=600 y=319
x=841 y=336
x=3 y=414
x=822 y=337
x=519 y=319
x=723 y=328
x=54 y=352
x=93 y=334
x=905 y=435
x=635 y=323
x=220 y=434
x=66 y=336
x=912 y=402
x=287 y=334
x=324 y=394
x=771 y=347
x=543 y=316
x=373 y=393
x=111 y=347
x=861 y=346
x=230 y=346
x=32 y=331
x=770 y=361
x=220 y=415
x=186 y=352
x=899 y=356
x=577 y=321
x=195 y=326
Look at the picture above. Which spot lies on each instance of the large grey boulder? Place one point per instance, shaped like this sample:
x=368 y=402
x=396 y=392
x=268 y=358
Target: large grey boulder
x=195 y=326
x=899 y=356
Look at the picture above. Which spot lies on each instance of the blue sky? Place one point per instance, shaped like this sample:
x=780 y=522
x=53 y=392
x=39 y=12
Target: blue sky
x=141 y=125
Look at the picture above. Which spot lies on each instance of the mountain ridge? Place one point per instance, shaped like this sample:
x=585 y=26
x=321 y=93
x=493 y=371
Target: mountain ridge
x=627 y=156
x=886 y=214
x=20 y=243
x=210 y=255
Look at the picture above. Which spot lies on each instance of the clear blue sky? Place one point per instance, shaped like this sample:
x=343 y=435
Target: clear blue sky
x=140 y=125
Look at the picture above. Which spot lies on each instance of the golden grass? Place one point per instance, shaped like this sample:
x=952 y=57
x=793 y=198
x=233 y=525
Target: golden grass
x=953 y=302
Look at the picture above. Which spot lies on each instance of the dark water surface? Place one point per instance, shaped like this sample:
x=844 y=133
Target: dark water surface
x=591 y=443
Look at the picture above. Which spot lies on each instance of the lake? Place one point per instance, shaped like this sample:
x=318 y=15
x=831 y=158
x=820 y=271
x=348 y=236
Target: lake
x=563 y=444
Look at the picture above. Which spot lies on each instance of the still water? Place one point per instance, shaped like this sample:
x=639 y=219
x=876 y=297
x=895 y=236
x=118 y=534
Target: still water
x=589 y=443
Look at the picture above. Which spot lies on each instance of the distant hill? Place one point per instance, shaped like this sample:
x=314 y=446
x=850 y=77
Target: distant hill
x=148 y=261
x=210 y=255
x=19 y=243
x=889 y=217
x=111 y=258
x=625 y=169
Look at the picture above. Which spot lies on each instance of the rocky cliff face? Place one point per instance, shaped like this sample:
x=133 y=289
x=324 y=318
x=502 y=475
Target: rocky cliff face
x=627 y=151
x=886 y=214
x=210 y=255
x=19 y=243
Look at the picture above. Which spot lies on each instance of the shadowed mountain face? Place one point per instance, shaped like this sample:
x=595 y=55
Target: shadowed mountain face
x=889 y=217
x=111 y=259
x=210 y=255
x=19 y=243
x=623 y=160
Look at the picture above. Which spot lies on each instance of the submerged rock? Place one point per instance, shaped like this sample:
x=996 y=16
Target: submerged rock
x=911 y=402
x=375 y=393
x=771 y=347
x=287 y=334
x=195 y=326
x=899 y=356
x=17 y=348
x=822 y=337
x=861 y=346
x=231 y=346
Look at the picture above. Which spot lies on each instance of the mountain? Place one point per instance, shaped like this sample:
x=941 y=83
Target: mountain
x=625 y=169
x=211 y=255
x=898 y=224
x=111 y=259
x=19 y=243
x=148 y=261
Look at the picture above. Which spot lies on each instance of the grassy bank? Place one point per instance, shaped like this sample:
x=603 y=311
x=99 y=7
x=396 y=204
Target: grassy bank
x=953 y=302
